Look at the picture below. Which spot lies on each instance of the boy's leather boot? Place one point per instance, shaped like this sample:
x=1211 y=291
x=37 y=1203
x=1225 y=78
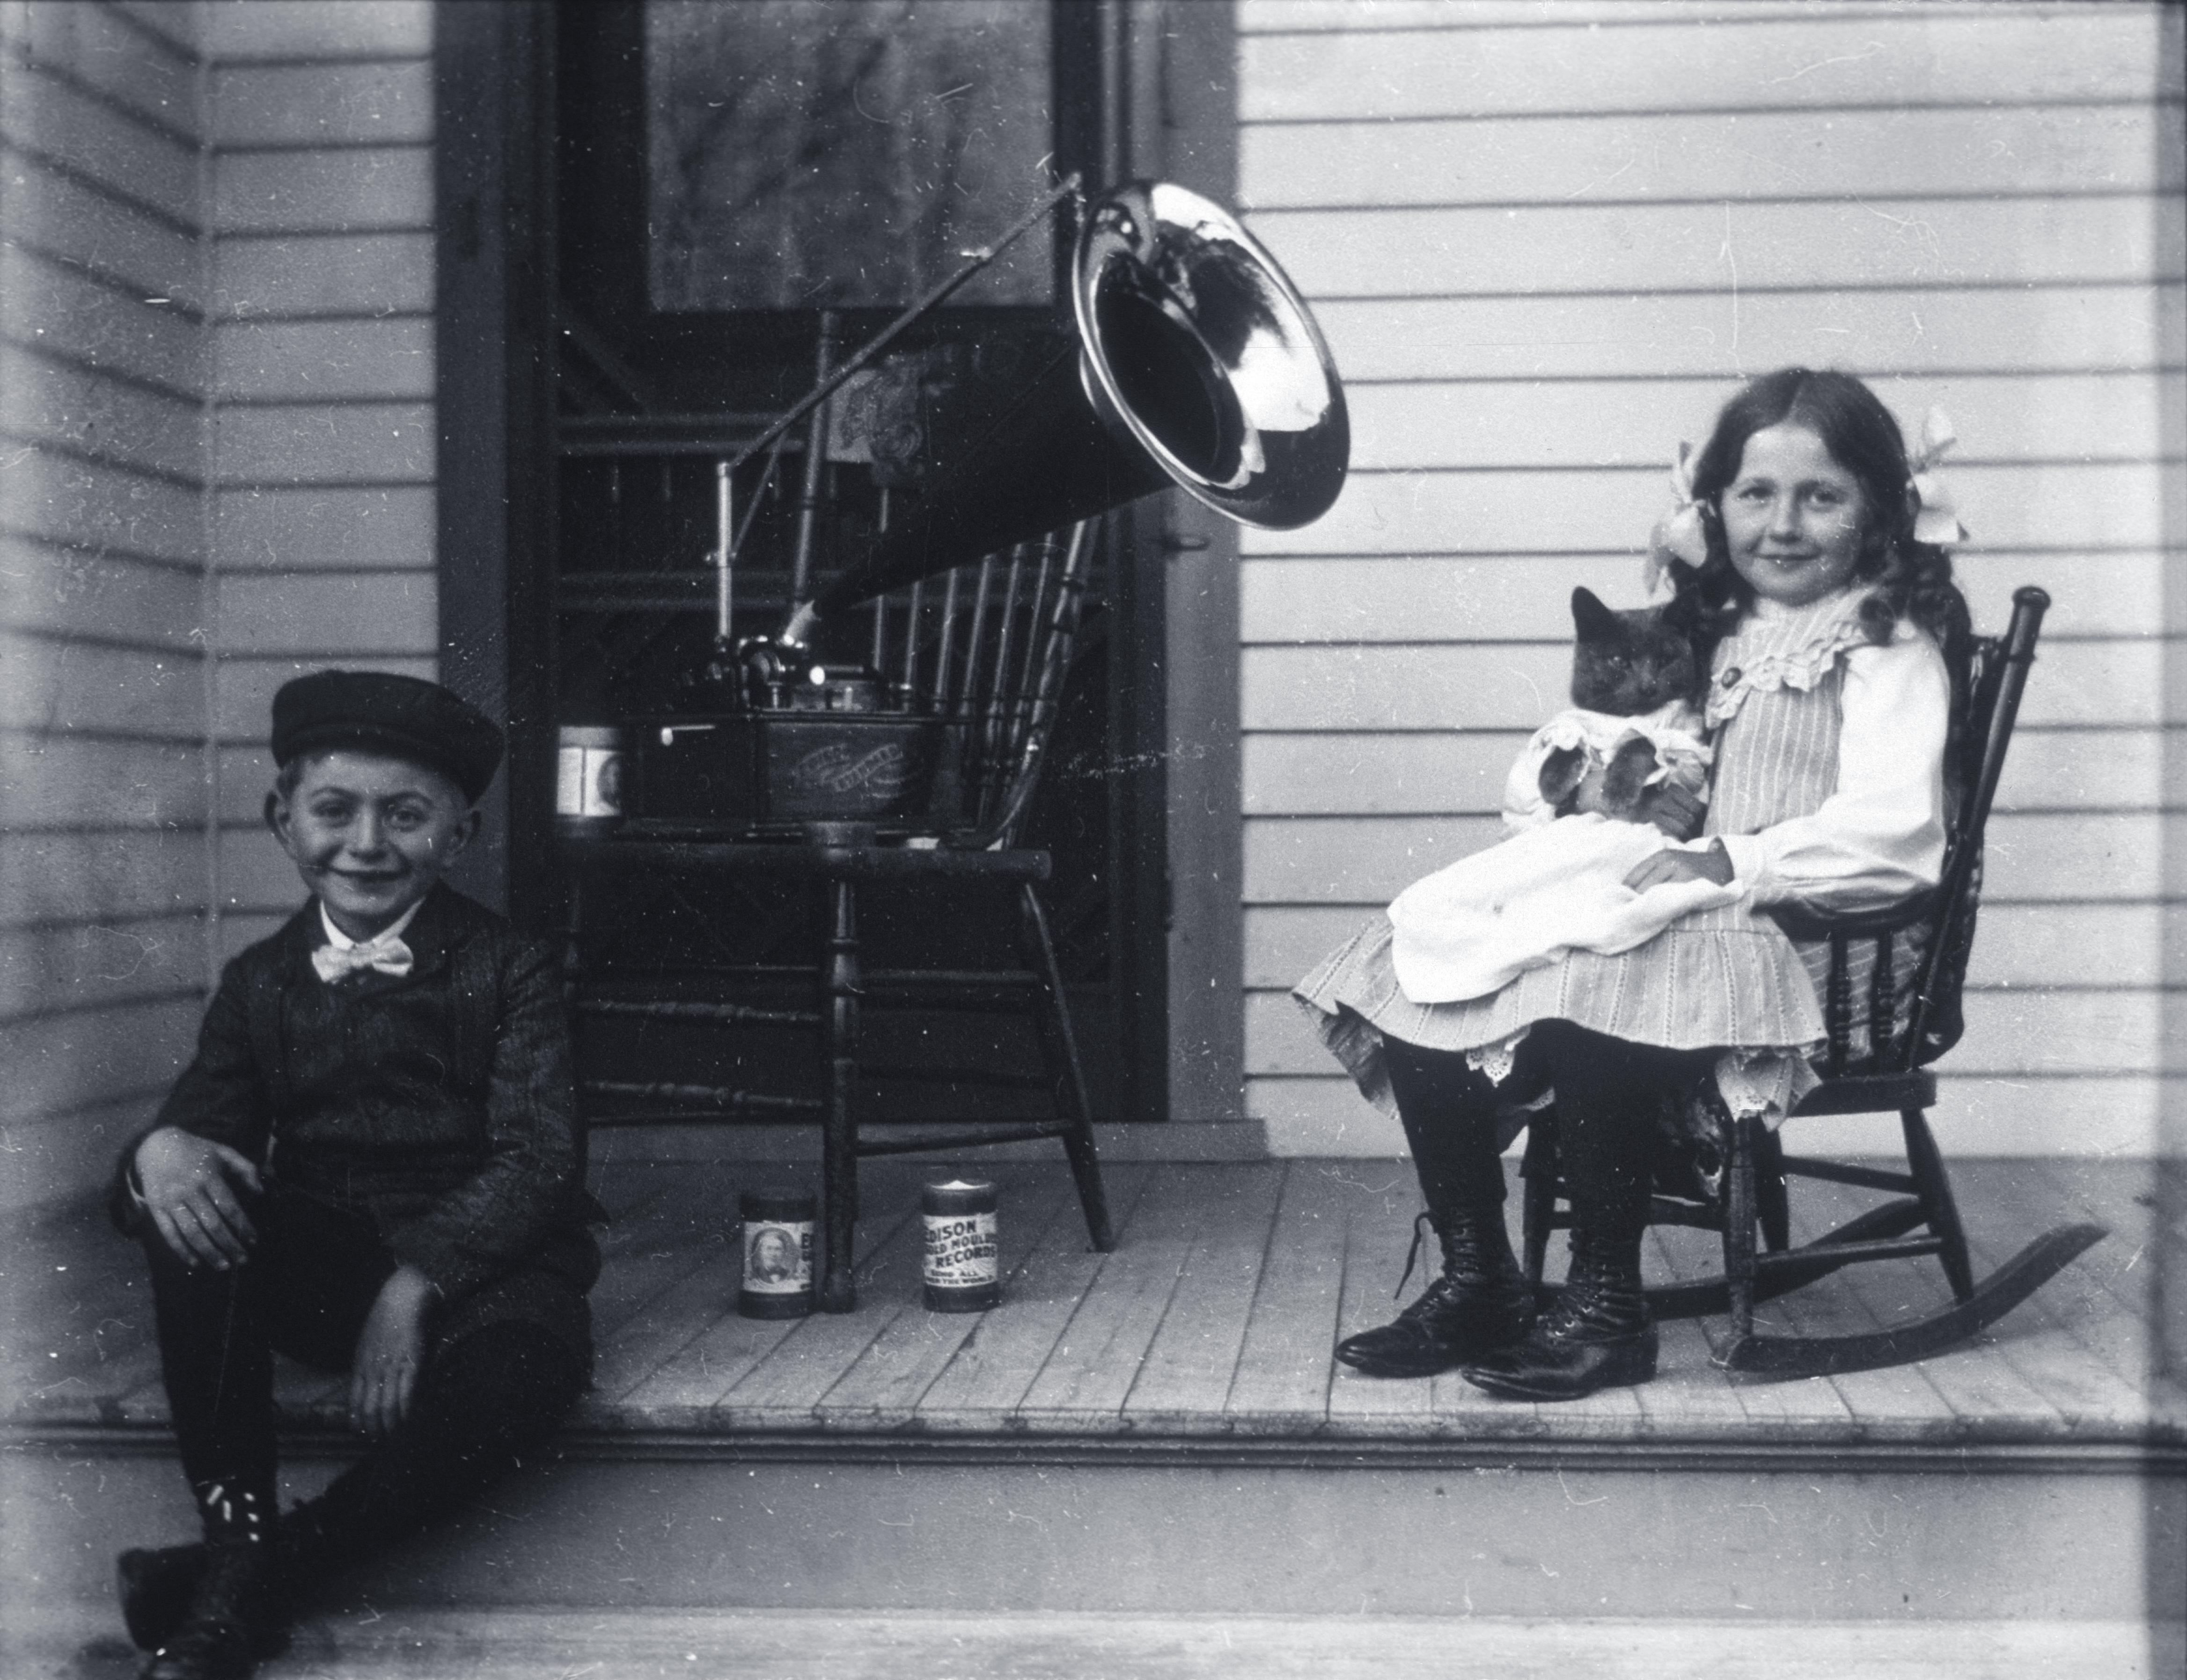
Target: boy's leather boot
x=156 y=1585
x=238 y=1611
x=1482 y=1301
x=1600 y=1333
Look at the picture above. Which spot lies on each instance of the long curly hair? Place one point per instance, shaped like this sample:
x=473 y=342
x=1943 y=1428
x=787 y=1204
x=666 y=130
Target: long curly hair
x=1912 y=579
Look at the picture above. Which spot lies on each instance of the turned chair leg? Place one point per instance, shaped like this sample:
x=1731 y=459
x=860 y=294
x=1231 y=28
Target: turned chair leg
x=1059 y=1049
x=1771 y=1204
x=1934 y=1188
x=1739 y=1219
x=840 y=984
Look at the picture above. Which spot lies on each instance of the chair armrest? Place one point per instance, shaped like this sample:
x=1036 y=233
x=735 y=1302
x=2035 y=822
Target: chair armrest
x=1800 y=923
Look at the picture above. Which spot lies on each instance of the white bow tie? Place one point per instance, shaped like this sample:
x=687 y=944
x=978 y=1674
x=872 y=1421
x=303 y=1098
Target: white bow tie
x=386 y=955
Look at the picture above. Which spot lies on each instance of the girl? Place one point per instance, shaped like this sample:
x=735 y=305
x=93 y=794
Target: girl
x=1829 y=700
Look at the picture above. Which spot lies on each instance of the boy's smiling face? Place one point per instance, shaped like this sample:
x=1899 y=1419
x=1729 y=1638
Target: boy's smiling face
x=370 y=833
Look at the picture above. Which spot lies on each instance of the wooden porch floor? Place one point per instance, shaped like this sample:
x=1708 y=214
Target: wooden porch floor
x=1212 y=1322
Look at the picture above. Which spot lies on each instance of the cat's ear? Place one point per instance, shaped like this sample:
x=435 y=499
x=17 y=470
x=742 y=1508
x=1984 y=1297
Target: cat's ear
x=1594 y=621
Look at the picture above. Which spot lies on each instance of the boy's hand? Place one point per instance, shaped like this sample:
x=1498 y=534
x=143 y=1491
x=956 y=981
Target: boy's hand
x=1667 y=866
x=188 y=1183
x=390 y=1351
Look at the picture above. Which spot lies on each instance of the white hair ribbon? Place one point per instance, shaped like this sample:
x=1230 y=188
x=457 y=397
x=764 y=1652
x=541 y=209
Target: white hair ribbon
x=1935 y=517
x=1679 y=534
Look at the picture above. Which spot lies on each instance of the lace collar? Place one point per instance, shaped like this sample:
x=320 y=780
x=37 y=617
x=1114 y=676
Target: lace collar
x=1783 y=648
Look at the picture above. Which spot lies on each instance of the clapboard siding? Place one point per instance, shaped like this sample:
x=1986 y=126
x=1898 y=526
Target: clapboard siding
x=1524 y=596
x=100 y=141
x=301 y=276
x=349 y=614
x=1546 y=242
x=1905 y=332
x=322 y=517
x=324 y=103
x=337 y=190
x=100 y=413
x=65 y=781
x=90 y=877
x=148 y=341
x=123 y=242
x=86 y=592
x=61 y=1063
x=2067 y=150
x=380 y=527
x=124 y=685
x=99 y=48
x=52 y=970
x=1514 y=686
x=1347 y=17
x=104 y=874
x=1445 y=770
x=1719 y=247
x=288 y=360
x=311 y=33
x=2025 y=1115
x=1934 y=55
x=216 y=375
x=2000 y=417
x=2044 y=506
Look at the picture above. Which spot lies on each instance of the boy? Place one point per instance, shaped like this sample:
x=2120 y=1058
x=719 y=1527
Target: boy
x=375 y=1163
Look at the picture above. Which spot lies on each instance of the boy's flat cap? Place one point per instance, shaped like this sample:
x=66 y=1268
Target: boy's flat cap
x=411 y=719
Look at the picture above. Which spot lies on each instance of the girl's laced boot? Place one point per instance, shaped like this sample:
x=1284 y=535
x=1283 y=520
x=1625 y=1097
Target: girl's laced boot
x=1600 y=1334
x=238 y=1610
x=1481 y=1302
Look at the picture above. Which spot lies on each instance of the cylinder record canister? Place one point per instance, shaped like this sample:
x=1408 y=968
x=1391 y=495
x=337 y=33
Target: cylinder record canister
x=963 y=1268
x=589 y=769
x=778 y=1247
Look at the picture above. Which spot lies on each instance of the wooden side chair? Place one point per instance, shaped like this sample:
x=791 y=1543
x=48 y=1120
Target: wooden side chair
x=1747 y=1193
x=985 y=649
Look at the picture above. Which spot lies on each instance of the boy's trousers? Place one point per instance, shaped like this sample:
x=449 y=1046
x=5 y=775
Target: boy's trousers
x=489 y=1394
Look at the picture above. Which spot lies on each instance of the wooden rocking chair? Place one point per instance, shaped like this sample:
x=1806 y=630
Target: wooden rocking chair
x=984 y=649
x=1749 y=1192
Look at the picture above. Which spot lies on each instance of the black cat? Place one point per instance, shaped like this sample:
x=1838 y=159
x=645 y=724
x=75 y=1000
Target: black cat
x=1640 y=663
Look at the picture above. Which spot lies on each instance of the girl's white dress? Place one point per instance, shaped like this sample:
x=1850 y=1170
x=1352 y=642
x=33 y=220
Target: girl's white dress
x=1475 y=925
x=1829 y=795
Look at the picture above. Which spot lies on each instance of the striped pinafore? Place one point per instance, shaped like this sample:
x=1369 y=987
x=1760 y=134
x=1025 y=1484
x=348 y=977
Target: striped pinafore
x=1725 y=977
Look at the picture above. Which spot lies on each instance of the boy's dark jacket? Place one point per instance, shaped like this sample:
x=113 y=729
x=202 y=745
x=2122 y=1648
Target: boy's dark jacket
x=441 y=1102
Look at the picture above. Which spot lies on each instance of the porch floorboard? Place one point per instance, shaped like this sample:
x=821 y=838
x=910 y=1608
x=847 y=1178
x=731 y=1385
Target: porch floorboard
x=1212 y=1322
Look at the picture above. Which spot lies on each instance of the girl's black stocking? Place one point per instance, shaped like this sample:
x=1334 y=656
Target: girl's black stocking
x=1448 y=1112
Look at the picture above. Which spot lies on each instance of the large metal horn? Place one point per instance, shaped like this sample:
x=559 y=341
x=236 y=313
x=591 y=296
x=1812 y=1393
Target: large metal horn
x=1195 y=363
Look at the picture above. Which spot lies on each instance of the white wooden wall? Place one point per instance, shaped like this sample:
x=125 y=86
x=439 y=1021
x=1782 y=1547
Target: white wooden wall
x=104 y=679
x=321 y=535
x=216 y=446
x=1546 y=241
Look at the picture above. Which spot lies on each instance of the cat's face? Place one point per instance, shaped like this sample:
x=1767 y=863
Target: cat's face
x=1627 y=663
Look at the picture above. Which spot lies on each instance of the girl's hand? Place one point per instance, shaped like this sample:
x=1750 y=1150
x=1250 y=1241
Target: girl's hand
x=189 y=1184
x=1668 y=866
x=389 y=1352
x=1678 y=811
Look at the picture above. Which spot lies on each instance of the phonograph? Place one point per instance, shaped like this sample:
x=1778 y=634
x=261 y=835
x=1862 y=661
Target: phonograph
x=1189 y=359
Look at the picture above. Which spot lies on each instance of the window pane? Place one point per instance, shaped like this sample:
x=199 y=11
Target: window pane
x=811 y=154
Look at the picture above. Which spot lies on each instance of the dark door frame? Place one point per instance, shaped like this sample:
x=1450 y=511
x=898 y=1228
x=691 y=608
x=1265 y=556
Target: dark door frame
x=1170 y=113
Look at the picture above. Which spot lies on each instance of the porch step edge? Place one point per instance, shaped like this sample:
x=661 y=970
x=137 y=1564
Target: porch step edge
x=464 y=1643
